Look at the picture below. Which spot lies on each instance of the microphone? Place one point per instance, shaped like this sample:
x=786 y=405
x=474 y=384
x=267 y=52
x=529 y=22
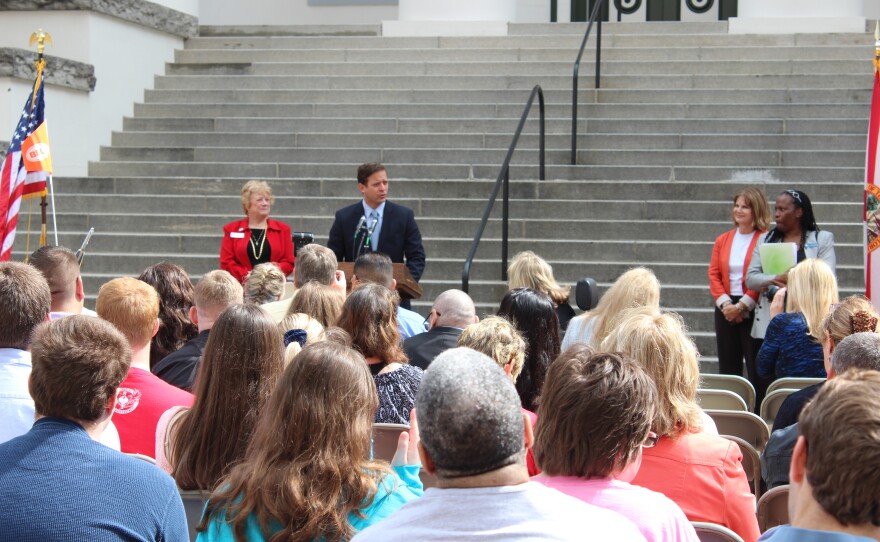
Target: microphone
x=360 y=225
x=372 y=228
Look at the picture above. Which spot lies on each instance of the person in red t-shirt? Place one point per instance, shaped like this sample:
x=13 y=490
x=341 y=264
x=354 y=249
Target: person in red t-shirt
x=133 y=307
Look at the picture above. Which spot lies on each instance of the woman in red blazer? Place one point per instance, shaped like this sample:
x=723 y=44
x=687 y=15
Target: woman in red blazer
x=734 y=303
x=256 y=238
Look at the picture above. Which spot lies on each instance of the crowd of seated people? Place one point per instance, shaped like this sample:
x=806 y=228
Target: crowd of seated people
x=525 y=432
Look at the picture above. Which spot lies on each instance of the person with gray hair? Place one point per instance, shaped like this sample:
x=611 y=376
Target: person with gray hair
x=473 y=438
x=453 y=311
x=857 y=351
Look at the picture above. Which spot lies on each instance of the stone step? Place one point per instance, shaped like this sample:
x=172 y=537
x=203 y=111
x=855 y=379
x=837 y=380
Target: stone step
x=345 y=140
x=158 y=222
x=670 y=157
x=562 y=96
x=540 y=54
x=201 y=114
x=237 y=170
x=572 y=41
x=225 y=206
x=423 y=188
x=292 y=30
x=488 y=82
x=422 y=67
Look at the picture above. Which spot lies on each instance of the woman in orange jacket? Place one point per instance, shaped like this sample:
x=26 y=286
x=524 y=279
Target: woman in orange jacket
x=734 y=303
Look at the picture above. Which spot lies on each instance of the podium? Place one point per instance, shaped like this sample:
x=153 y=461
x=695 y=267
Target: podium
x=407 y=286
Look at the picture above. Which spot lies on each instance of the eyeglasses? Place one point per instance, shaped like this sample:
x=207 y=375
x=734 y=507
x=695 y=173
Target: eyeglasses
x=427 y=322
x=651 y=440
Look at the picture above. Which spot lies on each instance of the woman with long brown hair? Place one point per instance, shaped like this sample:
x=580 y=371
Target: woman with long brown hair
x=307 y=474
x=369 y=316
x=176 y=296
x=241 y=364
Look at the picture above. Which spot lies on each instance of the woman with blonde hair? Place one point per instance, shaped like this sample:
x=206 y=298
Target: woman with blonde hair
x=369 y=315
x=307 y=473
x=855 y=314
x=299 y=330
x=700 y=472
x=319 y=301
x=792 y=344
x=528 y=270
x=734 y=302
x=256 y=238
x=638 y=287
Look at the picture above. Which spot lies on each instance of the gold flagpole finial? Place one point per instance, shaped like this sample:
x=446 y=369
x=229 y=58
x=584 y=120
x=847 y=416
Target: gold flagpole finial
x=41 y=37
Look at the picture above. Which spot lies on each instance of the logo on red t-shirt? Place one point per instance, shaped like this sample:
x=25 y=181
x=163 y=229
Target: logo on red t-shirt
x=127 y=400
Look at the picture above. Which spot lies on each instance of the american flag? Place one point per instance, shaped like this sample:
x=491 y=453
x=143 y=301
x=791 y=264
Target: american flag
x=16 y=182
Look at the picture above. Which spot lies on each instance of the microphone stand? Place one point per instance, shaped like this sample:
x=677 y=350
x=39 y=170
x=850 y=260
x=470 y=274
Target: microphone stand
x=359 y=244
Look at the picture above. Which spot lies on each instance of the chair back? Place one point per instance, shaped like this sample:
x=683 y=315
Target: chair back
x=771 y=403
x=736 y=384
x=143 y=457
x=751 y=463
x=193 y=504
x=385 y=437
x=792 y=383
x=773 y=508
x=745 y=425
x=710 y=532
x=721 y=400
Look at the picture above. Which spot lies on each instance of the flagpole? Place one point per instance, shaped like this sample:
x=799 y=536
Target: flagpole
x=40 y=37
x=54 y=220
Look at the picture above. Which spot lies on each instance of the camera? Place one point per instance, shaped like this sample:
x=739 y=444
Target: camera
x=770 y=293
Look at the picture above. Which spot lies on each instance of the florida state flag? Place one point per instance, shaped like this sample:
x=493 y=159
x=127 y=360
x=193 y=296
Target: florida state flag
x=872 y=196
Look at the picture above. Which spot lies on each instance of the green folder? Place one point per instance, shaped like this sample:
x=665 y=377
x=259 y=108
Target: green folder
x=777 y=258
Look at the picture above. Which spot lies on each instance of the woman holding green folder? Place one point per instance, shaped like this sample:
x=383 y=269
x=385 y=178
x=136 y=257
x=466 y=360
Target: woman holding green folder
x=795 y=223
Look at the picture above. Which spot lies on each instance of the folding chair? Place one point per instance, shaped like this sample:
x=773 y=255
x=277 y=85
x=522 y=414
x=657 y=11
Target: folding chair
x=721 y=400
x=385 y=437
x=792 y=383
x=736 y=384
x=771 y=403
x=751 y=463
x=143 y=457
x=773 y=508
x=710 y=532
x=745 y=425
x=193 y=505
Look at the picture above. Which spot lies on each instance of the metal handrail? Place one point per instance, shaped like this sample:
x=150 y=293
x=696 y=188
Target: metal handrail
x=577 y=66
x=504 y=180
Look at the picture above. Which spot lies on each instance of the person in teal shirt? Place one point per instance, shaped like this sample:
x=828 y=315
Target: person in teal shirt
x=307 y=472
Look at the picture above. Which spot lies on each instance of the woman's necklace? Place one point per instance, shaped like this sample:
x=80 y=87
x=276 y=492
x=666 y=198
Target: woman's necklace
x=258 y=254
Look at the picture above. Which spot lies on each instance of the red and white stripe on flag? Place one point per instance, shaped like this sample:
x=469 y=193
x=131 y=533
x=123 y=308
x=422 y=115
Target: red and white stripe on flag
x=19 y=178
x=872 y=200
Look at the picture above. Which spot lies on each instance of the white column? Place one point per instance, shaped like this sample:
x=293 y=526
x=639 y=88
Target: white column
x=797 y=16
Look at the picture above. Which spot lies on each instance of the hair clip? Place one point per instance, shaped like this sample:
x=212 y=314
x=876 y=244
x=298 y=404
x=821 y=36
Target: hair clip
x=795 y=195
x=861 y=322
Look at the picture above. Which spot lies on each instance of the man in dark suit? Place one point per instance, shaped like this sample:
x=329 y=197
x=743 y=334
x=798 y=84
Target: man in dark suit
x=453 y=310
x=387 y=227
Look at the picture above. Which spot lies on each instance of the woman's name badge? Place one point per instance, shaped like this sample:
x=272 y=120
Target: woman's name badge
x=236 y=234
x=810 y=245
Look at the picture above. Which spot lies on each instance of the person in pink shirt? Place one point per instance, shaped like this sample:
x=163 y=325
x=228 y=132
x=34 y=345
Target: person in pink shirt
x=701 y=472
x=132 y=307
x=597 y=411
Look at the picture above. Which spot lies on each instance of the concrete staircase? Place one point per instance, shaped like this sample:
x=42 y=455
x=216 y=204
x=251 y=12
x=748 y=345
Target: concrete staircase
x=686 y=115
